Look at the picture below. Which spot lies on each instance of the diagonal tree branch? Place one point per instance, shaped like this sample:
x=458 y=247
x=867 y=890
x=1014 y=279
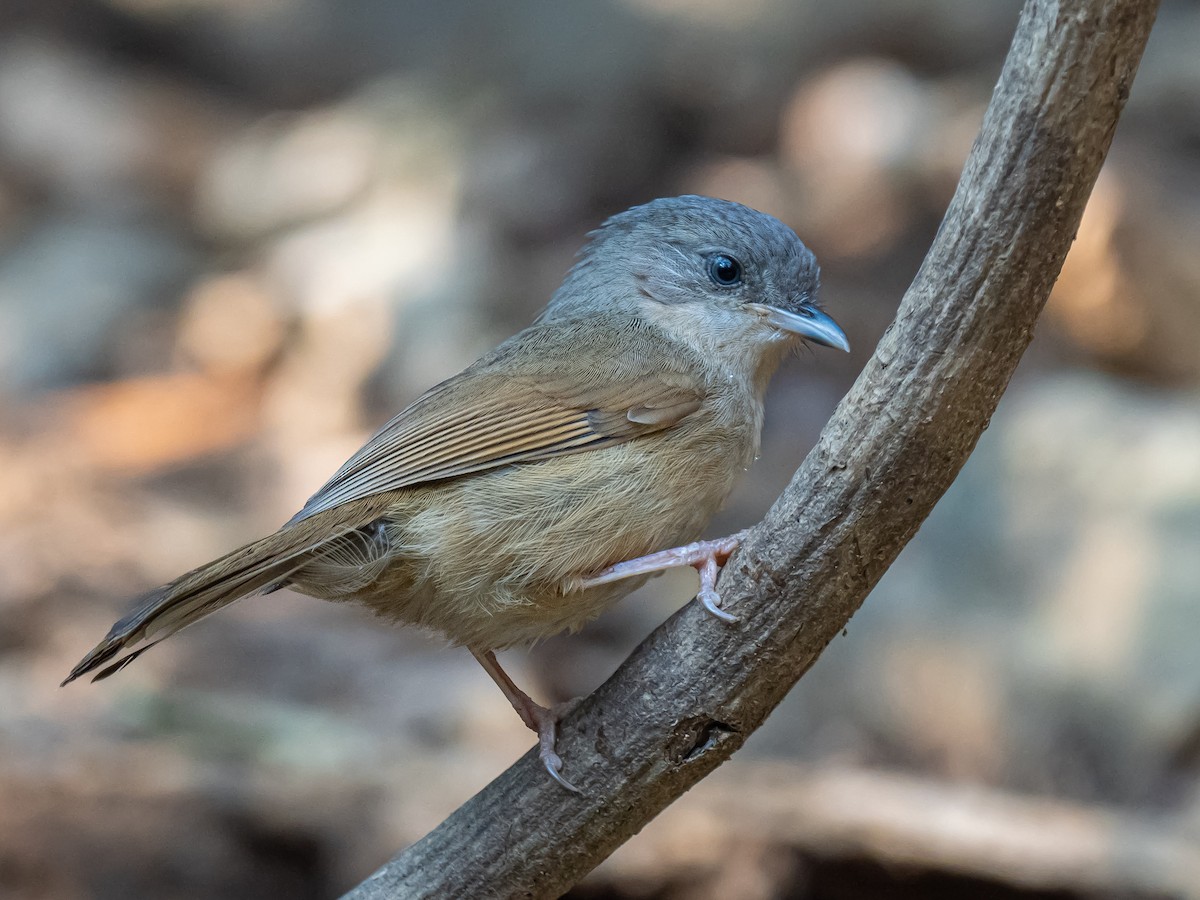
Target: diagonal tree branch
x=692 y=692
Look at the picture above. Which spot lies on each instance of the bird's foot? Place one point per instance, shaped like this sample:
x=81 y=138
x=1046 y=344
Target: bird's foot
x=537 y=718
x=706 y=557
x=547 y=731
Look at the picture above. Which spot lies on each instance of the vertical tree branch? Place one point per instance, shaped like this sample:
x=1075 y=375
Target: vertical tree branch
x=692 y=692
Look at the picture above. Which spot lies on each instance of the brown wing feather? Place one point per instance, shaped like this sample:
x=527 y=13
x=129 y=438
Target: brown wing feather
x=529 y=400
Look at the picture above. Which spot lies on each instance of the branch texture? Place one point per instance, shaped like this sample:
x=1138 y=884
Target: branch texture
x=696 y=688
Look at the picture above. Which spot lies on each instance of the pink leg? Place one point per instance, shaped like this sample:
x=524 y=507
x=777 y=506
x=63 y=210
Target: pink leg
x=539 y=719
x=707 y=557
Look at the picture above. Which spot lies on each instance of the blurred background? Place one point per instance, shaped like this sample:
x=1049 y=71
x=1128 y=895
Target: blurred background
x=237 y=235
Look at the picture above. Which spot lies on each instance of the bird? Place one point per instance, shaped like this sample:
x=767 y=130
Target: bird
x=525 y=495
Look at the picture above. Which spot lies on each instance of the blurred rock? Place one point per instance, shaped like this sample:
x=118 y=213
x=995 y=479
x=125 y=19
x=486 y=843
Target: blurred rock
x=10 y=211
x=754 y=181
x=68 y=287
x=1129 y=293
x=293 y=52
x=284 y=171
x=142 y=425
x=290 y=53
x=230 y=325
x=75 y=126
x=66 y=120
x=536 y=179
x=866 y=141
x=1165 y=100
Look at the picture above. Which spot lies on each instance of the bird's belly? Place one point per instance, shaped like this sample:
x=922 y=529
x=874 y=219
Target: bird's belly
x=492 y=560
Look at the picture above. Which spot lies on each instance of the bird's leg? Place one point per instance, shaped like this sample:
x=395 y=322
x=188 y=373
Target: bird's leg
x=539 y=719
x=706 y=557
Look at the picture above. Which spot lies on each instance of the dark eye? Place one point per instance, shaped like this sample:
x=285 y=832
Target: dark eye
x=724 y=270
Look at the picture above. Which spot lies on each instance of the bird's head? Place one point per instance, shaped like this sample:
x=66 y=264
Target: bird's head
x=727 y=277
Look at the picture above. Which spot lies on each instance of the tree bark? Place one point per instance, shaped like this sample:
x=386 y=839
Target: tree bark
x=696 y=688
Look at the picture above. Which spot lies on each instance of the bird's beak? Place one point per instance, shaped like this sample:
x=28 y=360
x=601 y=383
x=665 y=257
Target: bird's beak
x=807 y=322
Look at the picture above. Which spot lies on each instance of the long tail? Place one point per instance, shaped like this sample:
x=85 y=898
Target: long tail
x=256 y=568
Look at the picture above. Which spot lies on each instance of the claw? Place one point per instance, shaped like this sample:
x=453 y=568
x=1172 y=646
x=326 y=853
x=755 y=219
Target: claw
x=551 y=762
x=548 y=744
x=708 y=595
x=547 y=722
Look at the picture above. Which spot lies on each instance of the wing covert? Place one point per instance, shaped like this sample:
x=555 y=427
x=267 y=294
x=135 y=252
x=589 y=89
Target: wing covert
x=490 y=416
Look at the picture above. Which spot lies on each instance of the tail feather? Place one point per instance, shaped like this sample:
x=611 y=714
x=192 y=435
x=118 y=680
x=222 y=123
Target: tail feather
x=255 y=568
x=115 y=667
